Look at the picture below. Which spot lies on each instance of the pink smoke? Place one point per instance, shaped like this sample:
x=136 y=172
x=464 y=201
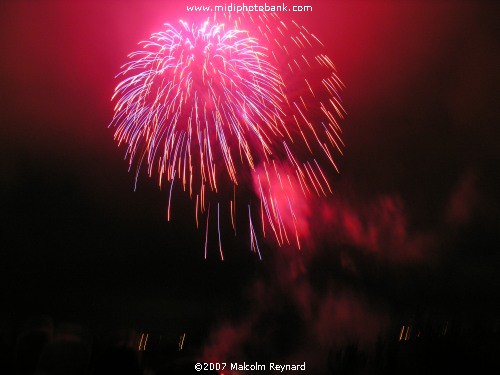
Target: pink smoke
x=312 y=315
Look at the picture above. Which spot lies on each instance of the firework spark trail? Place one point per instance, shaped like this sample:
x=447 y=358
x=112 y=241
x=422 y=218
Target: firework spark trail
x=208 y=104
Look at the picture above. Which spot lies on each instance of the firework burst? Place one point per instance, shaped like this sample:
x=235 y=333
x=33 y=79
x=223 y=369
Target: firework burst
x=208 y=104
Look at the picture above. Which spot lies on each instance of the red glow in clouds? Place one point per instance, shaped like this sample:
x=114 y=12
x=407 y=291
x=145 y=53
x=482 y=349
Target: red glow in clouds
x=312 y=304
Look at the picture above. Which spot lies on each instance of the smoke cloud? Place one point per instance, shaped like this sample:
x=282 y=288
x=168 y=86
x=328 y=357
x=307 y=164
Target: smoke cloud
x=316 y=300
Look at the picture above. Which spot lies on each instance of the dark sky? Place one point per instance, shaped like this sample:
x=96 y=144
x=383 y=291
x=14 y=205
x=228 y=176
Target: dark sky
x=420 y=170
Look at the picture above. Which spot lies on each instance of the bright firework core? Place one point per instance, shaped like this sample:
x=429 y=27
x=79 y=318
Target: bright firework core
x=210 y=105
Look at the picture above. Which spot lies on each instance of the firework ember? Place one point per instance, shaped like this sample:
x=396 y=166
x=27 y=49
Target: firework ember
x=217 y=105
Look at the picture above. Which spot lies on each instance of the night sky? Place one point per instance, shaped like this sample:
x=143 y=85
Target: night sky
x=412 y=225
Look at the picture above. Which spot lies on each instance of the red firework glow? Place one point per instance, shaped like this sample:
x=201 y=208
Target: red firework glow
x=210 y=104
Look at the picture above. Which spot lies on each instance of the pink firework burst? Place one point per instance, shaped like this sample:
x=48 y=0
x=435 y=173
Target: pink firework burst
x=208 y=104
